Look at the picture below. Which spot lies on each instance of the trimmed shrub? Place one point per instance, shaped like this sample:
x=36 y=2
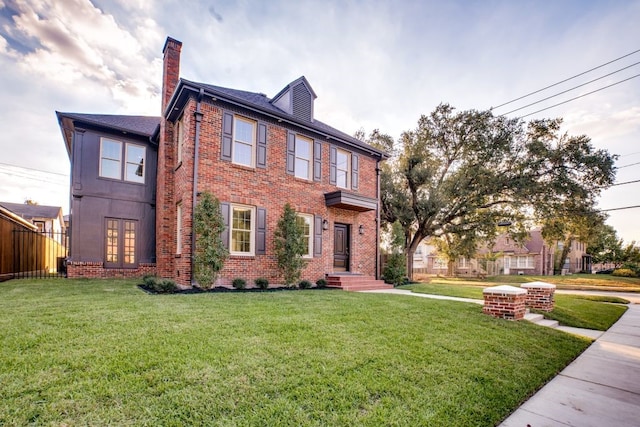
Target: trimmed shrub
x=624 y=272
x=261 y=283
x=395 y=270
x=321 y=283
x=239 y=283
x=159 y=285
x=304 y=284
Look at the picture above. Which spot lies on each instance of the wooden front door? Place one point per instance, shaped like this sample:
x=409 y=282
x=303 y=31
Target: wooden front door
x=341 y=247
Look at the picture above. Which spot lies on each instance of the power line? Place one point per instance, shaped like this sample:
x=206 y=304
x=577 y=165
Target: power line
x=619 y=209
x=33 y=169
x=624 y=183
x=569 y=90
x=565 y=80
x=626 y=166
x=581 y=96
x=629 y=154
x=33 y=178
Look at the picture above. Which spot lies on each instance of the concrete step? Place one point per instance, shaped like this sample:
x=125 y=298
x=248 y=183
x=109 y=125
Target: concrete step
x=548 y=323
x=533 y=318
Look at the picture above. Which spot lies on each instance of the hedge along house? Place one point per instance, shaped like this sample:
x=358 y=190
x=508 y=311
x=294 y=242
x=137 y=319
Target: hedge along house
x=255 y=154
x=252 y=152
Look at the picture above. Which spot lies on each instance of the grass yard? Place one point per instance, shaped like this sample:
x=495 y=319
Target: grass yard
x=80 y=352
x=580 y=311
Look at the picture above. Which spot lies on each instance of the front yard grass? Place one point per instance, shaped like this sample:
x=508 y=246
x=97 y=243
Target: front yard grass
x=580 y=311
x=81 y=352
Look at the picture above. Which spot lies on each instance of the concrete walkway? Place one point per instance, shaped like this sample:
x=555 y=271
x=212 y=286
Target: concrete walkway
x=600 y=388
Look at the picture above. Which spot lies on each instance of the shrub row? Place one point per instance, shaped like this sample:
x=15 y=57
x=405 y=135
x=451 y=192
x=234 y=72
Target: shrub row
x=160 y=285
x=262 y=283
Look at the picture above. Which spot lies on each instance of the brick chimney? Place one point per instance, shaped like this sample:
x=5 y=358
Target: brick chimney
x=170 y=70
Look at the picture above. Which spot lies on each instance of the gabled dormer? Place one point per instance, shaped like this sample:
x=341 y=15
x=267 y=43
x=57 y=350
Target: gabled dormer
x=296 y=99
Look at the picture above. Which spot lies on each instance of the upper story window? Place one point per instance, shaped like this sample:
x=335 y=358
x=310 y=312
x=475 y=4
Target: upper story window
x=305 y=221
x=243 y=226
x=244 y=141
x=303 y=155
x=112 y=166
x=343 y=169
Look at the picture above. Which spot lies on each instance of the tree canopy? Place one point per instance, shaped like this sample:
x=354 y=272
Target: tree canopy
x=462 y=173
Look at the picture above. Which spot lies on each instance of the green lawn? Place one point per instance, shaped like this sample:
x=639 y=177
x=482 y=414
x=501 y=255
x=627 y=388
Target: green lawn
x=105 y=353
x=580 y=311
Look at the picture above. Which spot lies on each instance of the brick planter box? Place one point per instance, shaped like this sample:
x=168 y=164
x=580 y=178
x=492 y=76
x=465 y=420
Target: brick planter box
x=540 y=295
x=505 y=302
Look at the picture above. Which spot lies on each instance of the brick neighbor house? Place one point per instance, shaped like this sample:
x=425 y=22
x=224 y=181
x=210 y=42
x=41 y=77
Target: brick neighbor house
x=252 y=152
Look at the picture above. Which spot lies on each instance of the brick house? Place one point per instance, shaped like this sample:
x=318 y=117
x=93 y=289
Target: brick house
x=254 y=154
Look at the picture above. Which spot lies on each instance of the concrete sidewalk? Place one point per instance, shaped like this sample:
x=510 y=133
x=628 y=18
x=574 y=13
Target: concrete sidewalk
x=600 y=388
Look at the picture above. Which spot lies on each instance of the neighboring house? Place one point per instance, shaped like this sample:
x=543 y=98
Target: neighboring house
x=48 y=219
x=252 y=152
x=507 y=257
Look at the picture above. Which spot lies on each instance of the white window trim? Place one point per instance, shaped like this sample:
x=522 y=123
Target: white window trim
x=252 y=236
x=348 y=170
x=179 y=228
x=234 y=141
x=126 y=162
x=102 y=140
x=309 y=160
x=463 y=262
x=309 y=218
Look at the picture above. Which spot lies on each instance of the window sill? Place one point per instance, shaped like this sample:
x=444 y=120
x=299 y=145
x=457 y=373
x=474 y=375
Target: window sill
x=122 y=181
x=240 y=256
x=243 y=167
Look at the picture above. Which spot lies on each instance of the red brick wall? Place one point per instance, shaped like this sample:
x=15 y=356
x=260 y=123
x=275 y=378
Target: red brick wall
x=268 y=188
x=79 y=269
x=504 y=305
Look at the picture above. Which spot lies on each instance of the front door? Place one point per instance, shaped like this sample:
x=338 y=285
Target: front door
x=341 y=247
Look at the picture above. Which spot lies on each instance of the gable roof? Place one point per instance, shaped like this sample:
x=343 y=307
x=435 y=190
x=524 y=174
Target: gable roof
x=32 y=211
x=262 y=104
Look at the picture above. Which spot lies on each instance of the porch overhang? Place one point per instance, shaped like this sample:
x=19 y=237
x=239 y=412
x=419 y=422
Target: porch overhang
x=350 y=201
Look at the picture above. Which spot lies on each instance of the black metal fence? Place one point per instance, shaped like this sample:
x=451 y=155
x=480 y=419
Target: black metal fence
x=39 y=254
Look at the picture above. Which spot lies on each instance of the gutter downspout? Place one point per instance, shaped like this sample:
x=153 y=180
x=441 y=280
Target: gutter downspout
x=196 y=157
x=378 y=219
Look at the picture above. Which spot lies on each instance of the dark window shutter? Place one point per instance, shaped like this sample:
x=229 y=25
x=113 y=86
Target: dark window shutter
x=291 y=152
x=224 y=210
x=355 y=160
x=317 y=236
x=333 y=154
x=261 y=149
x=227 y=136
x=261 y=232
x=317 y=161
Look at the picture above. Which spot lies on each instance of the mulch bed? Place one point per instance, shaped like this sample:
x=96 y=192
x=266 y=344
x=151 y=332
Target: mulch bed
x=224 y=289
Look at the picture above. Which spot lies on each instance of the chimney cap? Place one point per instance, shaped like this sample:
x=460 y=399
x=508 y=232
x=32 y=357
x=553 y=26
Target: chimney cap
x=171 y=40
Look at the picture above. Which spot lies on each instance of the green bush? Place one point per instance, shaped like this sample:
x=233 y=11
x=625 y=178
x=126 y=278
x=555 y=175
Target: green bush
x=159 y=285
x=239 y=283
x=261 y=283
x=321 y=283
x=633 y=267
x=624 y=272
x=395 y=269
x=304 y=284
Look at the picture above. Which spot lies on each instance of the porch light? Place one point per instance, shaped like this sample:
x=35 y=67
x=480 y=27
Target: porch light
x=325 y=224
x=361 y=229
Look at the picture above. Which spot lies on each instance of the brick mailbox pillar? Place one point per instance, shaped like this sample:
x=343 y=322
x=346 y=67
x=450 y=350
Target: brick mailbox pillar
x=540 y=295
x=505 y=302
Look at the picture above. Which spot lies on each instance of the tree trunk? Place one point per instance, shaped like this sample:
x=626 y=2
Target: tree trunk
x=563 y=255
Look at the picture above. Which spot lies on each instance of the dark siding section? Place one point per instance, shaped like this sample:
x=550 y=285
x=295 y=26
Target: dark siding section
x=302 y=102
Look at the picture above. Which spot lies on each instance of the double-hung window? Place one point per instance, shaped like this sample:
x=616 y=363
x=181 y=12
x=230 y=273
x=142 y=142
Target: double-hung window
x=304 y=154
x=343 y=169
x=305 y=222
x=243 y=226
x=120 y=243
x=112 y=166
x=244 y=141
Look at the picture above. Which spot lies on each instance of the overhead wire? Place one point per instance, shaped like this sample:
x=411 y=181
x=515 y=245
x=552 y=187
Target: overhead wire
x=565 y=80
x=569 y=90
x=34 y=169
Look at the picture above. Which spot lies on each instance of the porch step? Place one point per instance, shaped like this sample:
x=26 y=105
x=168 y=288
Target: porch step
x=355 y=282
x=539 y=319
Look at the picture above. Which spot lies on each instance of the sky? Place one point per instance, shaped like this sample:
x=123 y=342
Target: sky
x=373 y=64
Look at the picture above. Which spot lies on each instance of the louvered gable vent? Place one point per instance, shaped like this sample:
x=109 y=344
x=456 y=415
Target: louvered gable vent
x=296 y=99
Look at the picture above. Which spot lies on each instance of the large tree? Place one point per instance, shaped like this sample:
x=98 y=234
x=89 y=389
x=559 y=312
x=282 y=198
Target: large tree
x=463 y=173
